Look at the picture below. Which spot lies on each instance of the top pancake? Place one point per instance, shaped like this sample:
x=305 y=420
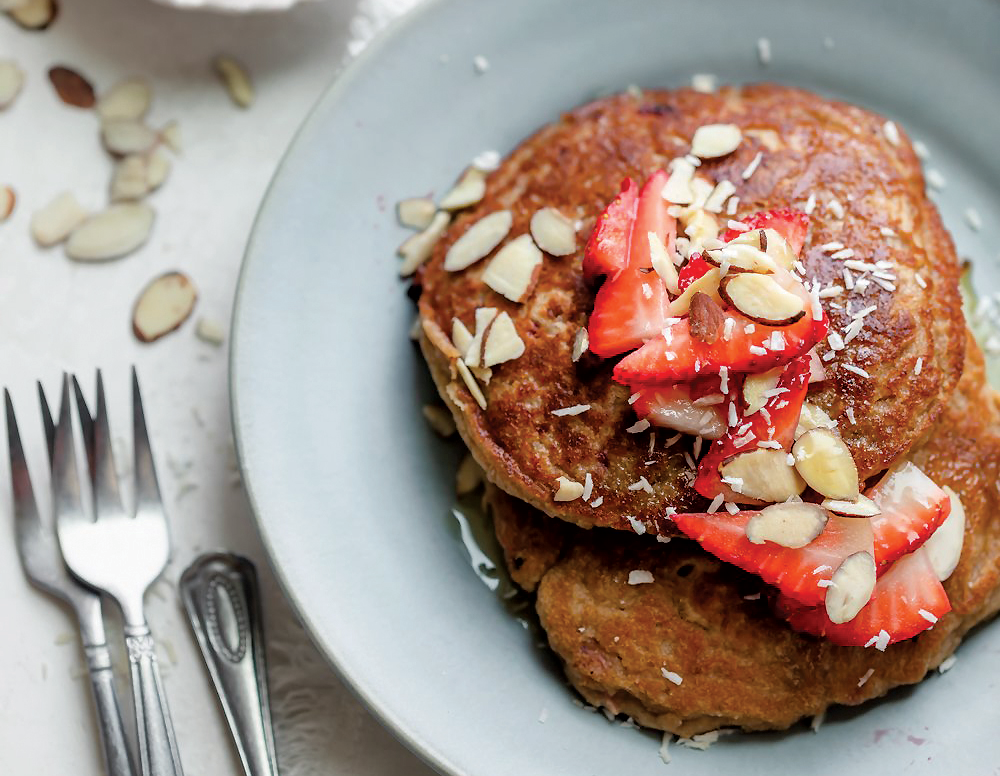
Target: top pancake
x=810 y=146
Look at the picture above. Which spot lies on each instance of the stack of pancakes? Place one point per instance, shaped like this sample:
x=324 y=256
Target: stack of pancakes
x=926 y=400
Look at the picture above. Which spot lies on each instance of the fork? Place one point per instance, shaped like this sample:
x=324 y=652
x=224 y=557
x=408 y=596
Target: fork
x=44 y=567
x=118 y=552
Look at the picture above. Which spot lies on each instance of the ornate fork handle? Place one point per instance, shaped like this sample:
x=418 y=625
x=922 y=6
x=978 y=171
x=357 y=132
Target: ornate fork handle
x=109 y=716
x=157 y=746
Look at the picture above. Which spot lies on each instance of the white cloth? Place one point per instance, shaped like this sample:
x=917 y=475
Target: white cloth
x=59 y=315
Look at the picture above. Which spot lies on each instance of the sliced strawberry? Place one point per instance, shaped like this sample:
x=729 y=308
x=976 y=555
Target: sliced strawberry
x=684 y=407
x=631 y=306
x=908 y=599
x=609 y=245
x=776 y=421
x=795 y=572
x=912 y=509
x=791 y=224
x=696 y=267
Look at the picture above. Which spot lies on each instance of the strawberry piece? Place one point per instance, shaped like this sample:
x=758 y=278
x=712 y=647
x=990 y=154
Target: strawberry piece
x=777 y=421
x=907 y=592
x=912 y=509
x=676 y=406
x=608 y=248
x=790 y=223
x=696 y=267
x=631 y=306
x=795 y=572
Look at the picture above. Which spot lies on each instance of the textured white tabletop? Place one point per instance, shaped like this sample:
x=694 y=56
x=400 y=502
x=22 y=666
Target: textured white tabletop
x=58 y=315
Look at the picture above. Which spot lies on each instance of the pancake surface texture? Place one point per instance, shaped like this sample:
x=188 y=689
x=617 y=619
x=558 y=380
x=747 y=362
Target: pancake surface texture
x=869 y=195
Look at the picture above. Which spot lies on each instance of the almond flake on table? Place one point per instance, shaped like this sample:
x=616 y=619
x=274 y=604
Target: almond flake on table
x=7 y=201
x=480 y=64
x=127 y=136
x=212 y=331
x=478 y=241
x=417 y=248
x=129 y=100
x=11 y=82
x=71 y=87
x=470 y=189
x=514 y=271
x=171 y=136
x=236 y=79
x=157 y=169
x=130 y=179
x=35 y=14
x=469 y=475
x=973 y=219
x=163 y=306
x=553 y=232
x=714 y=140
x=54 y=222
x=111 y=234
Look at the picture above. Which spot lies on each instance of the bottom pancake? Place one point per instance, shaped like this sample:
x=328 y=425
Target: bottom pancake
x=708 y=624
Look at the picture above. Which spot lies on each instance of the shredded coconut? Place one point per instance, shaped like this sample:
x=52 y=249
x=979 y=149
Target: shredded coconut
x=891 y=132
x=764 y=50
x=716 y=503
x=576 y=409
x=947 y=663
x=856 y=370
x=640 y=577
x=670 y=676
x=636 y=524
x=752 y=167
x=866 y=677
x=918 y=366
x=638 y=427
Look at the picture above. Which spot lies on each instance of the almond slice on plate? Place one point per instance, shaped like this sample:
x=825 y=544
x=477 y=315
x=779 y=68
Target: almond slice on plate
x=663 y=262
x=54 y=222
x=826 y=464
x=127 y=136
x=470 y=189
x=944 y=546
x=130 y=179
x=677 y=189
x=791 y=524
x=71 y=87
x=553 y=232
x=416 y=212
x=706 y=319
x=11 y=81
x=760 y=298
x=755 y=388
x=163 y=306
x=35 y=14
x=851 y=587
x=7 y=201
x=766 y=475
x=417 y=248
x=474 y=351
x=707 y=284
x=502 y=343
x=157 y=169
x=862 y=506
x=236 y=79
x=812 y=417
x=513 y=272
x=713 y=140
x=129 y=99
x=111 y=234
x=171 y=136
x=478 y=241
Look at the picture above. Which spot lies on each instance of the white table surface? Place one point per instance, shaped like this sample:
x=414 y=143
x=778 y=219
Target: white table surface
x=58 y=315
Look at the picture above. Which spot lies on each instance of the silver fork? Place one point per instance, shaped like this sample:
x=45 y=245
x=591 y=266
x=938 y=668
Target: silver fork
x=44 y=567
x=119 y=553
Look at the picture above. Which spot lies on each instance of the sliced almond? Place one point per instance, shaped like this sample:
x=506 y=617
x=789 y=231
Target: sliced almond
x=760 y=298
x=702 y=189
x=417 y=248
x=157 y=169
x=700 y=227
x=765 y=474
x=439 y=419
x=789 y=525
x=461 y=337
x=513 y=272
x=54 y=222
x=862 y=506
x=171 y=137
x=10 y=5
x=111 y=234
x=210 y=331
x=236 y=79
x=11 y=81
x=469 y=476
x=128 y=99
x=740 y=257
x=826 y=464
x=130 y=180
x=71 y=87
x=717 y=199
x=416 y=212
x=553 y=232
x=706 y=284
x=471 y=384
x=812 y=417
x=755 y=388
x=945 y=545
x=503 y=343
x=7 y=201
x=478 y=241
x=663 y=262
x=706 y=319
x=714 y=140
x=127 y=136
x=851 y=587
x=163 y=306
x=469 y=190
x=580 y=344
x=678 y=186
x=35 y=14
x=568 y=490
x=770 y=242
x=474 y=352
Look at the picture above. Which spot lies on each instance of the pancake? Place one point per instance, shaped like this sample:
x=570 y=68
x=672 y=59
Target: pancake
x=911 y=345
x=741 y=665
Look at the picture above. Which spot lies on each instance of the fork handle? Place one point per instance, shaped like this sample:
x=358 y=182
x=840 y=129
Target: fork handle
x=157 y=746
x=117 y=756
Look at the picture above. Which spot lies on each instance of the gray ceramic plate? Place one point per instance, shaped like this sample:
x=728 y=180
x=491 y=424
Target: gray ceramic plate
x=352 y=491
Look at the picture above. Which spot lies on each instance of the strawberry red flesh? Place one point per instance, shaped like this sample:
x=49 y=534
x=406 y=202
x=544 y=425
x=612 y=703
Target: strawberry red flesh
x=912 y=509
x=790 y=223
x=696 y=267
x=608 y=248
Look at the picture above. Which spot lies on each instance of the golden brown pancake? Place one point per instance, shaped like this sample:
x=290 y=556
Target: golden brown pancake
x=809 y=146
x=740 y=664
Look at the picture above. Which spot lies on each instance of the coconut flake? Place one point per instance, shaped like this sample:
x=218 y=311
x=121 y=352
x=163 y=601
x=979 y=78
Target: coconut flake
x=580 y=344
x=764 y=50
x=638 y=427
x=576 y=409
x=866 y=677
x=640 y=577
x=706 y=83
x=672 y=677
x=891 y=132
x=947 y=663
x=752 y=167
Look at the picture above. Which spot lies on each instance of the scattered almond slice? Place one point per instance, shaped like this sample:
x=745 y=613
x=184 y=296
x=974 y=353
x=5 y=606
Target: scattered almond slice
x=478 y=241
x=663 y=262
x=740 y=257
x=714 y=140
x=791 y=524
x=717 y=199
x=415 y=212
x=163 y=306
x=851 y=587
x=54 y=222
x=568 y=490
x=171 y=136
x=236 y=79
x=210 y=331
x=862 y=506
x=7 y=201
x=678 y=186
x=469 y=476
x=702 y=189
x=71 y=87
x=11 y=5
x=580 y=343
x=812 y=417
x=513 y=272
x=35 y=14
x=706 y=284
x=157 y=169
x=502 y=342
x=700 y=227
x=766 y=475
x=417 y=248
x=461 y=337
x=126 y=100
x=553 y=232
x=770 y=242
x=760 y=298
x=474 y=351
x=944 y=547
x=439 y=419
x=123 y=137
x=470 y=189
x=825 y=463
x=130 y=179
x=706 y=319
x=11 y=82
x=471 y=384
x=755 y=388
x=111 y=234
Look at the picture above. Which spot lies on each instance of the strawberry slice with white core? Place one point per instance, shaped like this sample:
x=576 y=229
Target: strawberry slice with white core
x=912 y=507
x=791 y=224
x=607 y=250
x=695 y=267
x=908 y=599
x=684 y=407
x=802 y=574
